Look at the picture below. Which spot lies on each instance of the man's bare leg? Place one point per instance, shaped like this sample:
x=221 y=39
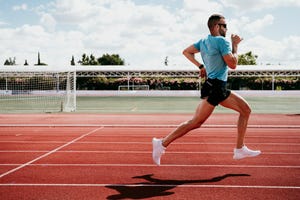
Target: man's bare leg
x=237 y=103
x=203 y=111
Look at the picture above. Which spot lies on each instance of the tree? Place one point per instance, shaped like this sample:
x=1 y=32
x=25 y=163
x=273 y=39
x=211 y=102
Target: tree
x=113 y=59
x=243 y=82
x=10 y=61
x=39 y=60
x=247 y=59
x=166 y=61
x=88 y=60
x=105 y=59
x=93 y=60
x=72 y=61
x=84 y=60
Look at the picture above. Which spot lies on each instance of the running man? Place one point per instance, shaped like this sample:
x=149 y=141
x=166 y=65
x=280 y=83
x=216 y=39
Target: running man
x=216 y=54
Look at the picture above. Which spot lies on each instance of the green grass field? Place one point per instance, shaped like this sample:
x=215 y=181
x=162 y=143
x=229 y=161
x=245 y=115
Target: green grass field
x=121 y=104
x=283 y=105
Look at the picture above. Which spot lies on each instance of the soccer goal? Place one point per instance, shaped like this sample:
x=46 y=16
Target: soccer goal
x=133 y=87
x=35 y=90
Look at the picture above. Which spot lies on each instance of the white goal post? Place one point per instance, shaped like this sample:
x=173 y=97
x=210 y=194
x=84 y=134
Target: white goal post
x=37 y=90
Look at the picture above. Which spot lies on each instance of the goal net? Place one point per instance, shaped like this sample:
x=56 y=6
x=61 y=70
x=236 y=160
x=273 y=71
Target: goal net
x=37 y=91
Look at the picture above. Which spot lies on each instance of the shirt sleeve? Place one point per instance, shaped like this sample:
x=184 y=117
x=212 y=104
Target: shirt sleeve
x=225 y=47
x=197 y=45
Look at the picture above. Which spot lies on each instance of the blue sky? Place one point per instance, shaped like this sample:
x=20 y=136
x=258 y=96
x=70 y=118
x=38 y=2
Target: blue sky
x=143 y=32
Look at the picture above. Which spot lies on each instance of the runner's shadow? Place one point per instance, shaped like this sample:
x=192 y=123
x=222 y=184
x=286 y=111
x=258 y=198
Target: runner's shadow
x=157 y=187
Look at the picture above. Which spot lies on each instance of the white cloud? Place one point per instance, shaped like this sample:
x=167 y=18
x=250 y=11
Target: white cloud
x=2 y=23
x=141 y=34
x=237 y=25
x=254 y=5
x=291 y=50
x=76 y=11
x=21 y=42
x=205 y=6
x=285 y=51
x=133 y=31
x=48 y=22
x=195 y=15
x=25 y=42
x=259 y=24
x=20 y=7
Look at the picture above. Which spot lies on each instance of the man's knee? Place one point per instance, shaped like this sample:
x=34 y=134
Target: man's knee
x=246 y=111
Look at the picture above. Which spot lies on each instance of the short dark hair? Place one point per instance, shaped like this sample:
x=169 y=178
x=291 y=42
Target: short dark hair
x=213 y=20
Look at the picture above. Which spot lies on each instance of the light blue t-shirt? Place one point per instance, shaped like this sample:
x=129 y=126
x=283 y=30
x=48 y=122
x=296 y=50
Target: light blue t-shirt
x=212 y=49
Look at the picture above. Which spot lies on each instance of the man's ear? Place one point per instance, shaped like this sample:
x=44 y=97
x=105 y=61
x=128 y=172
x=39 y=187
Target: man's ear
x=216 y=28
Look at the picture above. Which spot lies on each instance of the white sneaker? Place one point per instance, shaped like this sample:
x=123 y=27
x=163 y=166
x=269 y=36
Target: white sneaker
x=244 y=152
x=158 y=150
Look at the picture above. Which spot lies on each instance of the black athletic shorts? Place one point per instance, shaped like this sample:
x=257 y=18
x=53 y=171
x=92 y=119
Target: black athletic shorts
x=215 y=91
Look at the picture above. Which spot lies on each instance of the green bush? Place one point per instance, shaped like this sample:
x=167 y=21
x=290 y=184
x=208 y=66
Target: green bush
x=234 y=83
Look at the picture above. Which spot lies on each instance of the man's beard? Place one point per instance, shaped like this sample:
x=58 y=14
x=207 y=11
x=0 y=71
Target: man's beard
x=223 y=34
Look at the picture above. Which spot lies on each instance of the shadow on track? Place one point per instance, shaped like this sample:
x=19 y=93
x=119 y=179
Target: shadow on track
x=154 y=187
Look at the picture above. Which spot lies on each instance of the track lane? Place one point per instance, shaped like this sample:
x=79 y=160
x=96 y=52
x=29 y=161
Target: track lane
x=103 y=166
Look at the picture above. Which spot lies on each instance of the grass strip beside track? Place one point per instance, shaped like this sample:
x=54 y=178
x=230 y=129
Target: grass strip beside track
x=280 y=105
x=153 y=105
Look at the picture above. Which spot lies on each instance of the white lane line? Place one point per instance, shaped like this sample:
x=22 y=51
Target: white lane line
x=50 y=152
x=141 y=152
x=150 y=185
x=273 y=126
x=152 y=165
x=177 y=143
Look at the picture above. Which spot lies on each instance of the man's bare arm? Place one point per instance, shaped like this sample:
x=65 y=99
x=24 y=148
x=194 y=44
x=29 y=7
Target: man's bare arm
x=232 y=59
x=189 y=53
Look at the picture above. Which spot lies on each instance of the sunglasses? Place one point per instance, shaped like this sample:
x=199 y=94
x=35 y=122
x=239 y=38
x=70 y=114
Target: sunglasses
x=224 y=25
